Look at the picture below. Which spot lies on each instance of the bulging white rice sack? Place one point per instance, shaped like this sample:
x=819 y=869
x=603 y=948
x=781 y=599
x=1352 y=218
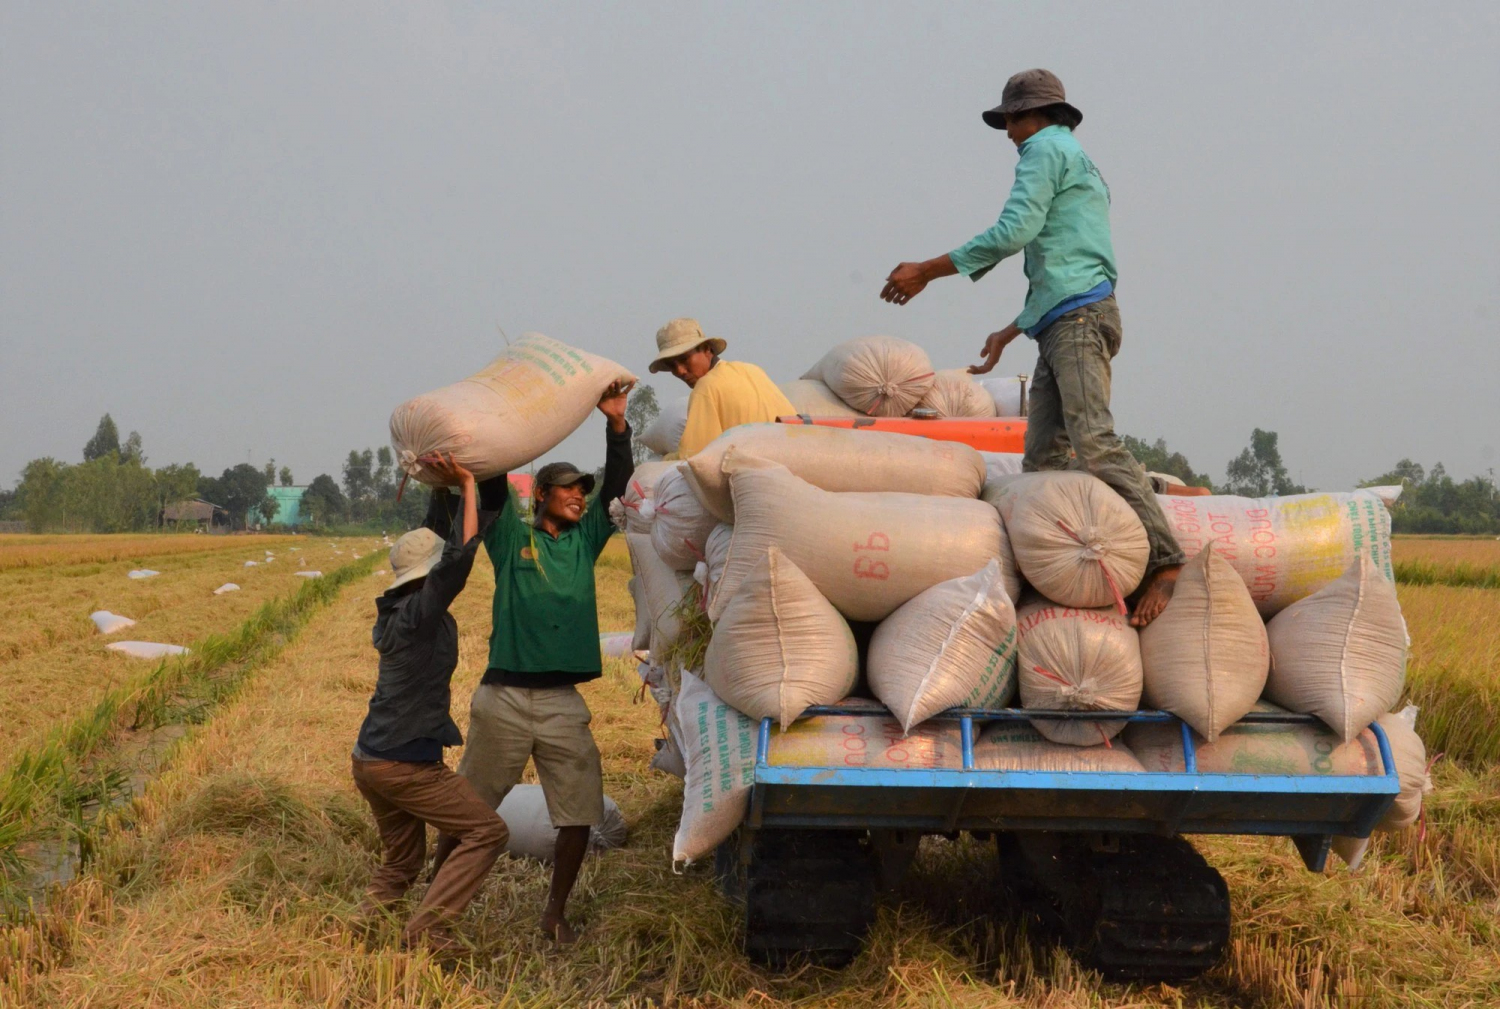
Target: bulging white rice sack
x=779 y=646
x=1286 y=548
x=1205 y=658
x=232 y=587
x=814 y=399
x=146 y=649
x=934 y=651
x=639 y=497
x=1075 y=540
x=308 y=574
x=664 y=433
x=1340 y=653
x=1257 y=748
x=1008 y=393
x=839 y=459
x=954 y=393
x=662 y=591
x=1077 y=660
x=870 y=741
x=1016 y=746
x=106 y=622
x=640 y=637
x=716 y=554
x=719 y=746
x=524 y=810
x=535 y=394
x=868 y=553
x=1411 y=767
x=880 y=376
x=681 y=524
x=998 y=465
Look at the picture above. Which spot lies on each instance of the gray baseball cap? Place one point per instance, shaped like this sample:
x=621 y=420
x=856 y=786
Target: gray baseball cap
x=1027 y=90
x=562 y=474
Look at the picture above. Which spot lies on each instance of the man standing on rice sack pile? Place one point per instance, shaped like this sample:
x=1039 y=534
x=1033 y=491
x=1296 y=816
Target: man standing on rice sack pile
x=1058 y=215
x=725 y=394
x=544 y=642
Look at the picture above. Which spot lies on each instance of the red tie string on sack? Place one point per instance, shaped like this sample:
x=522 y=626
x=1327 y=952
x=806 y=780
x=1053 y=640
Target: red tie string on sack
x=1108 y=577
x=401 y=488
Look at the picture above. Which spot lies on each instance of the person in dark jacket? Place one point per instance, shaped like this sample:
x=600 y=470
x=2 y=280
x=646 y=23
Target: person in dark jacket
x=398 y=759
x=544 y=642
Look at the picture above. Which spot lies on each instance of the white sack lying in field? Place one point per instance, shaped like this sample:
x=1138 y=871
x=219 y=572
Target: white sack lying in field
x=524 y=810
x=250 y=564
x=146 y=649
x=954 y=393
x=1075 y=540
x=520 y=406
x=868 y=553
x=1077 y=660
x=664 y=433
x=1286 y=548
x=814 y=399
x=108 y=623
x=719 y=746
x=779 y=646
x=1016 y=746
x=953 y=644
x=140 y=573
x=1205 y=658
x=1340 y=653
x=839 y=459
x=880 y=376
x=232 y=587
x=308 y=574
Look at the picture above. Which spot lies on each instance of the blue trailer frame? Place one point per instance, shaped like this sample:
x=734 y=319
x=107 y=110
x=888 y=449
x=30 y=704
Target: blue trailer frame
x=1310 y=809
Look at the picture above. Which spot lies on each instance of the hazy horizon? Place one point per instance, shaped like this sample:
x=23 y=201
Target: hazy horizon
x=249 y=231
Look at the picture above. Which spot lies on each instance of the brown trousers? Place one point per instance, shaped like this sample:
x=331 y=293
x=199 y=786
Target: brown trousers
x=405 y=797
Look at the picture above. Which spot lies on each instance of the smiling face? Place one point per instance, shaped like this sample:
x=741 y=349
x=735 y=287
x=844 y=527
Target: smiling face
x=693 y=365
x=563 y=506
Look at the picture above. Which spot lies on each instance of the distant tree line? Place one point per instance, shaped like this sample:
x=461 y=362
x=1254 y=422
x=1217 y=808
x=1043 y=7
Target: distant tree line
x=1430 y=502
x=114 y=490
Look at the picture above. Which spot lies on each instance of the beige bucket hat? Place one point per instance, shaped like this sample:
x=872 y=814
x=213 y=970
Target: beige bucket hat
x=677 y=338
x=414 y=555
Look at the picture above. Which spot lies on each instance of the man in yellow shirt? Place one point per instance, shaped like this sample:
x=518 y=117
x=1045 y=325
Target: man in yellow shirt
x=725 y=393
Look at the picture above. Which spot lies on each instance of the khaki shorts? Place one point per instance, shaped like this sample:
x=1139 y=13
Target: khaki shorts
x=549 y=725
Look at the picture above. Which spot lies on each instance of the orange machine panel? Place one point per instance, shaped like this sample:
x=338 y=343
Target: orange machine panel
x=987 y=434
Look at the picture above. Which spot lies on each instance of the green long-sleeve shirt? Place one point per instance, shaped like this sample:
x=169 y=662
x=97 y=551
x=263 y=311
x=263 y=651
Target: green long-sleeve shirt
x=1058 y=213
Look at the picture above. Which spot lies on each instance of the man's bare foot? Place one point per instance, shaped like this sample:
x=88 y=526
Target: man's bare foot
x=1155 y=595
x=558 y=930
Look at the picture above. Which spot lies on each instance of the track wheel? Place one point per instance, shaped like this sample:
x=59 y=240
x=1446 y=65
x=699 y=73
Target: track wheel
x=808 y=894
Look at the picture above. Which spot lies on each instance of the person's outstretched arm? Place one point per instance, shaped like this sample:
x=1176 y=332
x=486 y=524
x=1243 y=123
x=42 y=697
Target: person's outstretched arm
x=619 y=465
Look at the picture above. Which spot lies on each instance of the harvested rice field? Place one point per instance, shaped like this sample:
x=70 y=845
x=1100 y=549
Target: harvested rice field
x=53 y=661
x=231 y=880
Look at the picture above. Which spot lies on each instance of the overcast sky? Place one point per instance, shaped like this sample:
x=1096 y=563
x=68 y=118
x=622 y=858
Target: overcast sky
x=248 y=230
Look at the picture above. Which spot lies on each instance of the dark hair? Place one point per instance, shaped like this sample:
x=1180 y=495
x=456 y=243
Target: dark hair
x=1061 y=114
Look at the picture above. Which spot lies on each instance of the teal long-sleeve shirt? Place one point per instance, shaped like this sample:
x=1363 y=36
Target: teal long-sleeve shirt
x=1058 y=213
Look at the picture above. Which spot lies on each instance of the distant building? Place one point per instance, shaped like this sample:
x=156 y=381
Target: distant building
x=206 y=515
x=289 y=500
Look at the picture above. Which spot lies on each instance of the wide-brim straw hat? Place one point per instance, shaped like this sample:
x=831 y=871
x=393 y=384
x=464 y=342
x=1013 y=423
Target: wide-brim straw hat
x=677 y=338
x=1027 y=90
x=415 y=555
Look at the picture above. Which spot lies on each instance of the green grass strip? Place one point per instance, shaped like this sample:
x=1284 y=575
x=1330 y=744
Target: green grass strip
x=1459 y=575
x=31 y=788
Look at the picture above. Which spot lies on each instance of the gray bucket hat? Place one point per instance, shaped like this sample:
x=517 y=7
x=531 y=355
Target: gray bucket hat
x=1027 y=90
